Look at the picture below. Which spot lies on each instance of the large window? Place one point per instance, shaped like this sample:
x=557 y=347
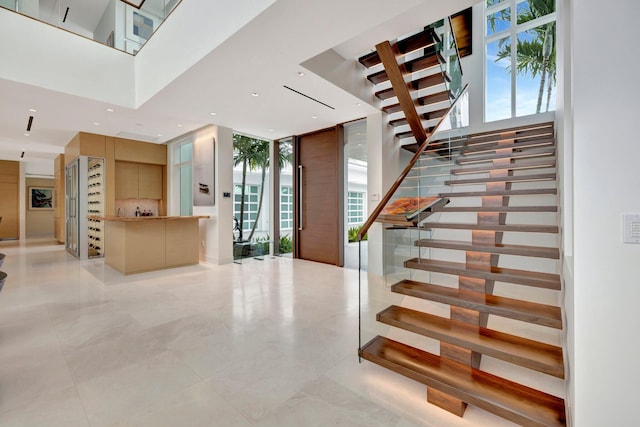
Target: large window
x=520 y=48
x=251 y=203
x=182 y=161
x=355 y=207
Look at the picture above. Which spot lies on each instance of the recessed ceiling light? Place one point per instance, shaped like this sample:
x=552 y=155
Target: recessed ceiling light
x=110 y=110
x=358 y=104
x=270 y=130
x=255 y=94
x=33 y=110
x=159 y=134
x=213 y=114
x=300 y=74
x=26 y=134
x=96 y=124
x=314 y=117
x=179 y=125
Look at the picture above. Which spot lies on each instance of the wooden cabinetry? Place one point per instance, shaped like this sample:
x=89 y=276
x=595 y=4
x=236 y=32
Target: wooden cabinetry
x=9 y=194
x=149 y=181
x=138 y=181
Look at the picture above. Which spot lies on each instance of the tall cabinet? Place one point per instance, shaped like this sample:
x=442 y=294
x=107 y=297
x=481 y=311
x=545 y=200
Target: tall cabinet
x=102 y=171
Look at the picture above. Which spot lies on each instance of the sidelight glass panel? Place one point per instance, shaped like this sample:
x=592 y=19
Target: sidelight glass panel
x=252 y=212
x=287 y=210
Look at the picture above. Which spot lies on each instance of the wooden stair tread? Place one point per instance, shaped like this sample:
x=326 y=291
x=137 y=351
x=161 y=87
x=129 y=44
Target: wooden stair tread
x=506 y=193
x=535 y=177
x=505 y=135
x=519 y=135
x=431 y=58
x=522 y=165
x=497 y=209
x=408 y=134
x=499 y=274
x=539 y=314
x=496 y=248
x=520 y=404
x=424 y=116
x=420 y=40
x=525 y=228
x=524 y=352
x=517 y=145
x=421 y=101
x=532 y=152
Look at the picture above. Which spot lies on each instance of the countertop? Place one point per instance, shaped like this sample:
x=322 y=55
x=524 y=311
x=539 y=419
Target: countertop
x=143 y=218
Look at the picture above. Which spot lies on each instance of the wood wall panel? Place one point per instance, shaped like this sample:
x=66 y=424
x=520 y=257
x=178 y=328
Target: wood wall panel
x=9 y=194
x=128 y=150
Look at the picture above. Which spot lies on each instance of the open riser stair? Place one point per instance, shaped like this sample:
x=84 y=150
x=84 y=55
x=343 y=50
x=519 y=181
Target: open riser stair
x=486 y=248
x=430 y=76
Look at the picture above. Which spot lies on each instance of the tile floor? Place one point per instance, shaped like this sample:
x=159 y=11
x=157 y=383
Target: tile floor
x=269 y=343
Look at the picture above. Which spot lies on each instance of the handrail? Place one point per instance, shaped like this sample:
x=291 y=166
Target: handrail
x=455 y=43
x=406 y=170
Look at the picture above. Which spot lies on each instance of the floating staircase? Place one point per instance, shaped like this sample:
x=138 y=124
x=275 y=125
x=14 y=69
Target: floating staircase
x=494 y=229
x=421 y=63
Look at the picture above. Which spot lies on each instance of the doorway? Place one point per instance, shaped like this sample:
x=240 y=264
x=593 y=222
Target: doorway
x=319 y=199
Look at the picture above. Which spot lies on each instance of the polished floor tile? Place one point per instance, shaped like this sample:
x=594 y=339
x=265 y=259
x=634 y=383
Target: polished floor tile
x=266 y=343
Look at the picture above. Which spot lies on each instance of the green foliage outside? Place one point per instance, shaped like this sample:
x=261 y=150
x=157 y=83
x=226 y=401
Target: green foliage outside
x=286 y=244
x=253 y=155
x=353 y=234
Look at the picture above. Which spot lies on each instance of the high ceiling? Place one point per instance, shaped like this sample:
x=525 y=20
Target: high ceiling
x=262 y=57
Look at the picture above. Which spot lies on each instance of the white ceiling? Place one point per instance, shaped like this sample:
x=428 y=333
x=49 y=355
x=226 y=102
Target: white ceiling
x=261 y=57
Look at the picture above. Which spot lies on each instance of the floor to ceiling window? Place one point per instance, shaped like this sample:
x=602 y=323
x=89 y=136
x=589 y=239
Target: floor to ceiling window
x=520 y=52
x=182 y=155
x=251 y=188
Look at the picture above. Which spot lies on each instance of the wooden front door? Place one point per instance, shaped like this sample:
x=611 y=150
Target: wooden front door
x=319 y=197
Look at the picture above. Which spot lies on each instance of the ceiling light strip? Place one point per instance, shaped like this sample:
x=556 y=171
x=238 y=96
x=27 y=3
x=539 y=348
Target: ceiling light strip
x=307 y=96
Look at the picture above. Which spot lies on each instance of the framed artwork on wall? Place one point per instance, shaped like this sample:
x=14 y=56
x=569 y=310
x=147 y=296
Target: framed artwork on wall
x=40 y=198
x=140 y=25
x=203 y=172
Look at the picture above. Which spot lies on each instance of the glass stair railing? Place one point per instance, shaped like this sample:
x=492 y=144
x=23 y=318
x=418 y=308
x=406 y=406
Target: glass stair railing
x=123 y=25
x=414 y=197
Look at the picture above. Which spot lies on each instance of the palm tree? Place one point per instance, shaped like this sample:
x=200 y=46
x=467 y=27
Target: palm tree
x=245 y=153
x=284 y=157
x=253 y=154
x=535 y=56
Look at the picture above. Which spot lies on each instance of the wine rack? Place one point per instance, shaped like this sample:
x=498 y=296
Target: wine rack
x=95 y=206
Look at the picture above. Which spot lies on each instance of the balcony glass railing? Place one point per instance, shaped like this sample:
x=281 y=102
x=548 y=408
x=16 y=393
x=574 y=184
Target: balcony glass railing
x=123 y=25
x=448 y=47
x=415 y=199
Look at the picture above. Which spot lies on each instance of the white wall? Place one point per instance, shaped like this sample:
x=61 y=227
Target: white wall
x=107 y=23
x=606 y=88
x=73 y=64
x=216 y=233
x=196 y=28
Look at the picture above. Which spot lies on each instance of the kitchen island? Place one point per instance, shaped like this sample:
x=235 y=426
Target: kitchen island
x=139 y=244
